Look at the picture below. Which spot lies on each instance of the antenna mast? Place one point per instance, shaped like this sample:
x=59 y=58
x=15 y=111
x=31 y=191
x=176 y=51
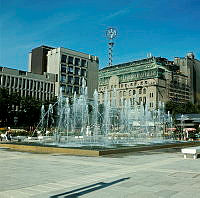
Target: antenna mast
x=111 y=33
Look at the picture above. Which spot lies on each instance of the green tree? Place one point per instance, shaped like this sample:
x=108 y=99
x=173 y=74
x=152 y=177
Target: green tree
x=181 y=108
x=4 y=104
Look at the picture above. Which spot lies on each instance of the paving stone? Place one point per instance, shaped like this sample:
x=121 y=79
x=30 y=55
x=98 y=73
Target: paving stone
x=145 y=174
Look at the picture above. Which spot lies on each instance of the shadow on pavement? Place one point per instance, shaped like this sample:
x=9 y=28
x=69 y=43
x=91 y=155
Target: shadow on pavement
x=87 y=189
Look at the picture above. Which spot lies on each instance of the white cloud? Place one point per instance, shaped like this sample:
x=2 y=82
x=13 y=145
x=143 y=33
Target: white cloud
x=116 y=14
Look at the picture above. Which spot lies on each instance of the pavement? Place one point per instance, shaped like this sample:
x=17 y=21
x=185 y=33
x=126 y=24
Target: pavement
x=159 y=173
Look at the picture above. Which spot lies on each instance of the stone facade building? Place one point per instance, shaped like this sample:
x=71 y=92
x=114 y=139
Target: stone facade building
x=191 y=67
x=149 y=81
x=41 y=87
x=69 y=66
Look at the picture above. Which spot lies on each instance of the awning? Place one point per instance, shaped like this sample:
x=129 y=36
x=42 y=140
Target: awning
x=189 y=129
x=171 y=129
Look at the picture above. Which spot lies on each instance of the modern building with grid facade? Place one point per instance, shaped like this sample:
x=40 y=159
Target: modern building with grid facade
x=70 y=68
x=150 y=80
x=40 y=87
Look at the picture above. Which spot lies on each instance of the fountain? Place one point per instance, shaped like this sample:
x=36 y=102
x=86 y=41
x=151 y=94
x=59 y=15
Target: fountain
x=80 y=123
x=81 y=126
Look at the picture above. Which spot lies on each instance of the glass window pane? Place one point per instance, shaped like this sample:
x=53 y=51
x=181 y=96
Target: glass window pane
x=77 y=71
x=83 y=63
x=63 y=59
x=63 y=68
x=70 y=60
x=77 y=61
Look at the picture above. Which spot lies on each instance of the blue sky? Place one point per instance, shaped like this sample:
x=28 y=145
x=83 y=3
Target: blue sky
x=166 y=28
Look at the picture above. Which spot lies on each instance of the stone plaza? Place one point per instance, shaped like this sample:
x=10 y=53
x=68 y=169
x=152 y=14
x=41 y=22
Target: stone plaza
x=158 y=173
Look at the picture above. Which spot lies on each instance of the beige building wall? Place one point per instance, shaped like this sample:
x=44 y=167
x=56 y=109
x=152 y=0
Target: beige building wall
x=71 y=67
x=26 y=84
x=145 y=81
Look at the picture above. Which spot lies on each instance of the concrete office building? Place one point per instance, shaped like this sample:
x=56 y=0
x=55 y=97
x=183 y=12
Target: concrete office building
x=148 y=80
x=38 y=58
x=190 y=66
x=25 y=83
x=70 y=68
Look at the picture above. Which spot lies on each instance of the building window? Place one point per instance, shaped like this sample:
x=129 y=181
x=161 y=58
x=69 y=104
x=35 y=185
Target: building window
x=129 y=92
x=124 y=101
x=63 y=59
x=151 y=95
x=63 y=78
x=135 y=83
x=70 y=60
x=145 y=82
x=4 y=80
x=76 y=81
x=83 y=63
x=20 y=83
x=69 y=89
x=140 y=91
x=133 y=101
x=83 y=72
x=140 y=100
x=63 y=68
x=70 y=79
x=8 y=81
x=38 y=86
x=144 y=91
x=12 y=81
x=42 y=86
x=51 y=87
x=27 y=85
x=77 y=70
x=31 y=84
x=70 y=70
x=77 y=61
x=144 y=100
x=124 y=93
x=133 y=92
x=76 y=89
x=56 y=77
x=63 y=88
x=120 y=94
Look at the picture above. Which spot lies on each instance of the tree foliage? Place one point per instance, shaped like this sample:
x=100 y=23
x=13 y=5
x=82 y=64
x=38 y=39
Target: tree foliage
x=182 y=108
x=19 y=111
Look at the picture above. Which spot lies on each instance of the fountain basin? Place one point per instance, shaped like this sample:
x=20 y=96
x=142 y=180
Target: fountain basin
x=91 y=151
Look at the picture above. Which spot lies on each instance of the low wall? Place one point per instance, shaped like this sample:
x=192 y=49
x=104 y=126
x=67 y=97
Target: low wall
x=43 y=149
x=146 y=148
x=83 y=152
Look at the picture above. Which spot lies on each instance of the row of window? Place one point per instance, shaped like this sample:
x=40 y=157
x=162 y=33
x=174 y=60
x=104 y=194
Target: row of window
x=151 y=95
x=71 y=80
x=131 y=92
x=73 y=70
x=73 y=61
x=68 y=89
x=8 y=81
x=128 y=85
x=34 y=94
